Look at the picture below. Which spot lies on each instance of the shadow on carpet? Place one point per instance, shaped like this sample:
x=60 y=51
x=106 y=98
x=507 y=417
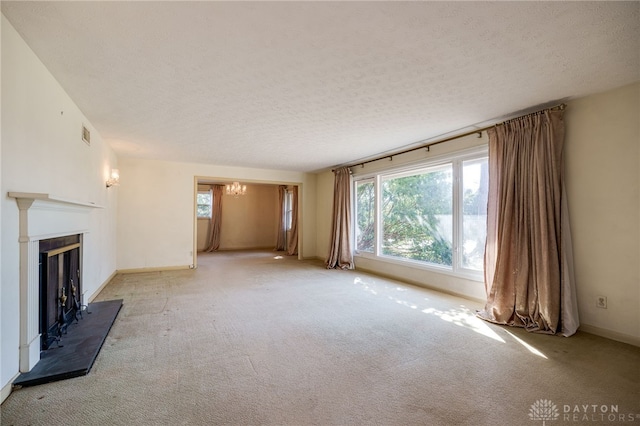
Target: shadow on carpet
x=78 y=348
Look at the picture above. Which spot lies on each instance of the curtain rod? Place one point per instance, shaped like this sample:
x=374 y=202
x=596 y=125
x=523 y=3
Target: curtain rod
x=478 y=131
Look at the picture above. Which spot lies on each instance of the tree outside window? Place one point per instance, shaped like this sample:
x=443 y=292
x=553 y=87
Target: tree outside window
x=417 y=216
x=436 y=214
x=203 y=200
x=365 y=214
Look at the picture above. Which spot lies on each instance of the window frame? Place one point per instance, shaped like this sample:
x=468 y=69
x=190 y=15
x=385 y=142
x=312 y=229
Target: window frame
x=460 y=218
x=368 y=180
x=210 y=205
x=288 y=209
x=424 y=170
x=456 y=159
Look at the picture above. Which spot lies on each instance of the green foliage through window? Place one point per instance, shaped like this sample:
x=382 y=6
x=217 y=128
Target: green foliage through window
x=203 y=200
x=435 y=215
x=365 y=224
x=416 y=216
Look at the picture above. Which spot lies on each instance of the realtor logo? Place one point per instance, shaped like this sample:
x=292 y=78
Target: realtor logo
x=543 y=409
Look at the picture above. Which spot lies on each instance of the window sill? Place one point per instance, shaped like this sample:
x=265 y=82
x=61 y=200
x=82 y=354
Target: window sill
x=478 y=277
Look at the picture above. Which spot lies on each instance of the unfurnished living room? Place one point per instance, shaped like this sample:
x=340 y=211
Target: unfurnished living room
x=320 y=213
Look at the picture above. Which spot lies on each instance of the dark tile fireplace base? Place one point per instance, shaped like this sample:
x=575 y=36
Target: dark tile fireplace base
x=78 y=348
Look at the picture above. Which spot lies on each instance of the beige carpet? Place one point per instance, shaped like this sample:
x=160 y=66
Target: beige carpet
x=248 y=338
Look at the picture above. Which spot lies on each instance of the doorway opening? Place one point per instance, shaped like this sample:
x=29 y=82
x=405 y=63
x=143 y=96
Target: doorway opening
x=246 y=222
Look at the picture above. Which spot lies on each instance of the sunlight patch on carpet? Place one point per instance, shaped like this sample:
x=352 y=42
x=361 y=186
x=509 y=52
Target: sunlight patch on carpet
x=462 y=317
x=526 y=345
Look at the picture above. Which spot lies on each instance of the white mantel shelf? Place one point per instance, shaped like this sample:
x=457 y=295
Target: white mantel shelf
x=51 y=198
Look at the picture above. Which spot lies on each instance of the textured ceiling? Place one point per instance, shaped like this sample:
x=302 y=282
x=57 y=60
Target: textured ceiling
x=309 y=85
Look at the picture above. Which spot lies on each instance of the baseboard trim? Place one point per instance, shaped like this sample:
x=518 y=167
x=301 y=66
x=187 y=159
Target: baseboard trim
x=239 y=249
x=6 y=389
x=318 y=258
x=610 y=334
x=102 y=286
x=153 y=269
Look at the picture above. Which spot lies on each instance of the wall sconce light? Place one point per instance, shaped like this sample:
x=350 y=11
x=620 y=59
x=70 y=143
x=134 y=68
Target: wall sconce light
x=114 y=179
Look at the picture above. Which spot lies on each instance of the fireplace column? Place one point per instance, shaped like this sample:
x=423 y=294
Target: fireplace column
x=29 y=292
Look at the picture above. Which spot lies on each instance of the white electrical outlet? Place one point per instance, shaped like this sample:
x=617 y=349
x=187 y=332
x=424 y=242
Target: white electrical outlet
x=601 y=302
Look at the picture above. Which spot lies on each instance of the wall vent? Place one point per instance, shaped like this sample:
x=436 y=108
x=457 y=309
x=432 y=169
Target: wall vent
x=86 y=135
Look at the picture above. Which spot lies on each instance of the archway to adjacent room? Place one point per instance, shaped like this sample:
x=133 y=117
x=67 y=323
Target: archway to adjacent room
x=249 y=222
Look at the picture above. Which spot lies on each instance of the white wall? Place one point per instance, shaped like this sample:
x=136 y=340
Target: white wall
x=156 y=209
x=602 y=165
x=42 y=151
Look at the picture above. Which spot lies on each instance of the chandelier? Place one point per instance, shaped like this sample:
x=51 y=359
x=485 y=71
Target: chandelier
x=236 y=189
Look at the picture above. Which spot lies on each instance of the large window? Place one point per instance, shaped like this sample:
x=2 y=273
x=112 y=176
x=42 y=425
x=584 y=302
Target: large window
x=416 y=215
x=365 y=208
x=475 y=186
x=432 y=215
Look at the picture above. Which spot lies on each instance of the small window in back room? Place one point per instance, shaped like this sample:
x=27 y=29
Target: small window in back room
x=288 y=208
x=204 y=204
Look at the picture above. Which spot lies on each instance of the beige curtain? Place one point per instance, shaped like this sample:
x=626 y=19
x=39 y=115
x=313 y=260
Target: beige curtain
x=281 y=241
x=292 y=247
x=213 y=237
x=340 y=255
x=528 y=269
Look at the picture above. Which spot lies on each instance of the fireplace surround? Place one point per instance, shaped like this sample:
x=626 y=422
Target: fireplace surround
x=60 y=287
x=43 y=217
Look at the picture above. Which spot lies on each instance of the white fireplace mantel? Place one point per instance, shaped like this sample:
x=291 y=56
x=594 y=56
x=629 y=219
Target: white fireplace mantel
x=42 y=216
x=33 y=196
